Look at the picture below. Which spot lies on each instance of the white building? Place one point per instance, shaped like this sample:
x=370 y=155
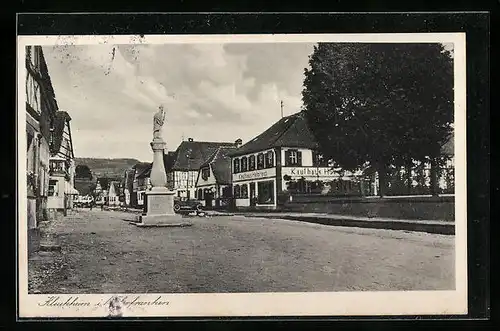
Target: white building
x=183 y=164
x=187 y=160
x=284 y=158
x=113 y=194
x=213 y=183
x=61 y=166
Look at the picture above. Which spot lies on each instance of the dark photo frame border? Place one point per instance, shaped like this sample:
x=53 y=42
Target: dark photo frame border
x=474 y=24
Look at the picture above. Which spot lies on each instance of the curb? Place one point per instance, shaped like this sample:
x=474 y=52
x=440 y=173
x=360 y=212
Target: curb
x=444 y=228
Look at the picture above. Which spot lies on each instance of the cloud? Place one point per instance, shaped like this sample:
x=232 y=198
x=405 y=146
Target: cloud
x=211 y=92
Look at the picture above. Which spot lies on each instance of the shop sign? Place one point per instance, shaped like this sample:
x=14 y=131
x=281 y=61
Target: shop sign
x=311 y=172
x=256 y=174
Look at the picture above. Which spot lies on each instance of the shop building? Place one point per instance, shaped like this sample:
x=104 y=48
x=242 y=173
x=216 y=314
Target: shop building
x=213 y=183
x=284 y=159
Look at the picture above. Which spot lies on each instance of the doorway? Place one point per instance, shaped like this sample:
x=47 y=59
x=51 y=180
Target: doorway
x=252 y=195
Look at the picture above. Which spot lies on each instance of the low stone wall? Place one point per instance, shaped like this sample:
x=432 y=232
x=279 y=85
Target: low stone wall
x=418 y=207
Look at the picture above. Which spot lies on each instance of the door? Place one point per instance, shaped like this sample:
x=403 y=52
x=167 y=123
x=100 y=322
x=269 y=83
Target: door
x=208 y=198
x=252 y=195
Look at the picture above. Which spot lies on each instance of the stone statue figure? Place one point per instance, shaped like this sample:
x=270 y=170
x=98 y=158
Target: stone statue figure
x=158 y=120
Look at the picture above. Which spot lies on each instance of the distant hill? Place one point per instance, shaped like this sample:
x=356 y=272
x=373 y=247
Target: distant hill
x=113 y=168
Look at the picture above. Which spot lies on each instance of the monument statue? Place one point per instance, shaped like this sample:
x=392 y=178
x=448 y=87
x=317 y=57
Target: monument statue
x=159 y=202
x=158 y=120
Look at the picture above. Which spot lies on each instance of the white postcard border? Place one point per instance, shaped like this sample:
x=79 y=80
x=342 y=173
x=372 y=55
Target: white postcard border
x=254 y=304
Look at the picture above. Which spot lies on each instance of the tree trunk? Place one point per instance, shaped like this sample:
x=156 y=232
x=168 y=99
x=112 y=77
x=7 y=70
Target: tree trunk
x=434 y=180
x=382 y=179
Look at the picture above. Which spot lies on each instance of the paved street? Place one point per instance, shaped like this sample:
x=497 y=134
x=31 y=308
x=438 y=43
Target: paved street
x=105 y=254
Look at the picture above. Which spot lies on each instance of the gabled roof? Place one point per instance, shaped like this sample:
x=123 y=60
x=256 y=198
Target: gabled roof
x=45 y=74
x=61 y=117
x=139 y=167
x=190 y=155
x=290 y=131
x=116 y=186
x=168 y=160
x=221 y=164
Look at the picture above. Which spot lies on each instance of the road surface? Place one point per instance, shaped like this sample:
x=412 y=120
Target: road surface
x=103 y=253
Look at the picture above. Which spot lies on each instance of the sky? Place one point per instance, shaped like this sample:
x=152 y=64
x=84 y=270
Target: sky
x=211 y=92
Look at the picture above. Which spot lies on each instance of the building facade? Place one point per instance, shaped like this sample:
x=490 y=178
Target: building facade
x=113 y=194
x=139 y=185
x=213 y=182
x=128 y=186
x=183 y=164
x=284 y=160
x=61 y=166
x=41 y=107
x=186 y=162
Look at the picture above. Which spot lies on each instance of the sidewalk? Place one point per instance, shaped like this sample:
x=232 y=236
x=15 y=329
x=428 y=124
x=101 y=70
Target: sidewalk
x=430 y=226
x=47 y=260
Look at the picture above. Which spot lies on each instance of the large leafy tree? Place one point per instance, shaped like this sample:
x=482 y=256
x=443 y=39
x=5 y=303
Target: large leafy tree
x=379 y=103
x=83 y=171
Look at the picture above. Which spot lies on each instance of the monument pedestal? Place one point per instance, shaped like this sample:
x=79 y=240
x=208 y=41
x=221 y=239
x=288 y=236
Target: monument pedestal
x=160 y=210
x=159 y=204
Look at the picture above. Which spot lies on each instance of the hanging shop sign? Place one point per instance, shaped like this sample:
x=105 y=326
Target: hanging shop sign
x=256 y=174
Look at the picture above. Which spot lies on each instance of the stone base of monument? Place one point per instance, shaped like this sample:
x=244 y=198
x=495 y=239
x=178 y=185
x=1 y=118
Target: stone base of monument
x=159 y=211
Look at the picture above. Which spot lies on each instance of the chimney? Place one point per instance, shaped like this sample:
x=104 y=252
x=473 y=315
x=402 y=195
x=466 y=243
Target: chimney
x=190 y=139
x=238 y=143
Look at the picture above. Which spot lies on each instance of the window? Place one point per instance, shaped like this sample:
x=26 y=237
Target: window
x=200 y=194
x=293 y=157
x=205 y=173
x=244 y=191
x=53 y=189
x=244 y=164
x=236 y=166
x=260 y=161
x=266 y=192
x=236 y=191
x=319 y=160
x=270 y=159
x=251 y=162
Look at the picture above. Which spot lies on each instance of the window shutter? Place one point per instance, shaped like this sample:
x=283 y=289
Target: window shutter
x=299 y=158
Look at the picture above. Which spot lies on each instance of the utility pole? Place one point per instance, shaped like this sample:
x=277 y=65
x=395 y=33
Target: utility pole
x=281 y=106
